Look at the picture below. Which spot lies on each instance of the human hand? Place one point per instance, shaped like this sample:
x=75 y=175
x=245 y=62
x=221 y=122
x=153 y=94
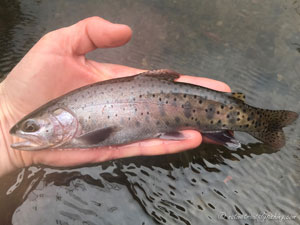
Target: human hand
x=57 y=64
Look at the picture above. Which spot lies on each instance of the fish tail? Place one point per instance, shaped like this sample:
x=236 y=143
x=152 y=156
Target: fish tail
x=273 y=121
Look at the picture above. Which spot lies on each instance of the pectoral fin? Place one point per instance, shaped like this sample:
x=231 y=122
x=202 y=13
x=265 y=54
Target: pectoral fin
x=96 y=136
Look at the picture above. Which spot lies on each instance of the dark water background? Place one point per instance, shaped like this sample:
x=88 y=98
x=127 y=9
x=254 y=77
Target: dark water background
x=254 y=46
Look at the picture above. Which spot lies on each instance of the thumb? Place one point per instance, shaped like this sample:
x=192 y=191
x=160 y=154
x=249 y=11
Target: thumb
x=90 y=34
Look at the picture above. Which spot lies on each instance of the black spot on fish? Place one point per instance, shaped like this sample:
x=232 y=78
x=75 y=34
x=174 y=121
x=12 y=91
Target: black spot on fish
x=211 y=112
x=222 y=106
x=200 y=101
x=108 y=117
x=177 y=119
x=218 y=112
x=140 y=96
x=157 y=122
x=153 y=95
x=175 y=99
x=184 y=95
x=148 y=113
x=142 y=114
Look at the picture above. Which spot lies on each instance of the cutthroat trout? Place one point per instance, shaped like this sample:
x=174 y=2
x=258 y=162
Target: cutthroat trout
x=144 y=106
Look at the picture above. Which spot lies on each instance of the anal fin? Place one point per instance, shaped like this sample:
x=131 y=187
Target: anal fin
x=225 y=138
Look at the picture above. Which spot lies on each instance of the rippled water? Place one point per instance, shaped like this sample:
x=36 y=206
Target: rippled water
x=251 y=45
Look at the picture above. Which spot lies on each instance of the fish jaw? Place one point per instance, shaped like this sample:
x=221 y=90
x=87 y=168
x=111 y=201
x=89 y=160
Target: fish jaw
x=31 y=142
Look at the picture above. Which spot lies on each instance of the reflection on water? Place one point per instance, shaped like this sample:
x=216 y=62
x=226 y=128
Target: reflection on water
x=253 y=46
x=205 y=185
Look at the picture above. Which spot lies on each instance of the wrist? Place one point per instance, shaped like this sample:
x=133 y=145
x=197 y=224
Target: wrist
x=9 y=158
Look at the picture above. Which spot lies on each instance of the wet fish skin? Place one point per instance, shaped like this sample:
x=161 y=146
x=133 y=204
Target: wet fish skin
x=144 y=106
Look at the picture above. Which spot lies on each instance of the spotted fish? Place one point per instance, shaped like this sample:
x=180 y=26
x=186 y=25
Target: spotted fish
x=144 y=106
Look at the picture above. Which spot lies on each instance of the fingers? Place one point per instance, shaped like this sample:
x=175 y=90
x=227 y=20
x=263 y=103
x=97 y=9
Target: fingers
x=160 y=146
x=96 y=32
x=205 y=82
x=73 y=157
x=87 y=35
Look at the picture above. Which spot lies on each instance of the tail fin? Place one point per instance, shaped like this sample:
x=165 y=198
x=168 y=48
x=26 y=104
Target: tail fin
x=275 y=120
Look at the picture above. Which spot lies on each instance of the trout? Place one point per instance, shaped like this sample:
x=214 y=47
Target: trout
x=145 y=106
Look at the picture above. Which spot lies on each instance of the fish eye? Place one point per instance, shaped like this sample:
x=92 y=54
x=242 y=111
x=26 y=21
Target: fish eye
x=30 y=126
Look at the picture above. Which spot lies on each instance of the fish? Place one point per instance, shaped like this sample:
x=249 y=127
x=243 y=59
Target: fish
x=148 y=105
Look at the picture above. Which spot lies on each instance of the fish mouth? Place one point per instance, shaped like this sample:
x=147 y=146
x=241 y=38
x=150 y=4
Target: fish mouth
x=26 y=146
x=28 y=142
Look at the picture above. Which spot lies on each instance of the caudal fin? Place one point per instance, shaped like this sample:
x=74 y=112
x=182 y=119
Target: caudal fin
x=272 y=133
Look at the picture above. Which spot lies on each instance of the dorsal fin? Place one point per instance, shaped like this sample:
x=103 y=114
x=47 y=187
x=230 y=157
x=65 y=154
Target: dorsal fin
x=239 y=96
x=163 y=74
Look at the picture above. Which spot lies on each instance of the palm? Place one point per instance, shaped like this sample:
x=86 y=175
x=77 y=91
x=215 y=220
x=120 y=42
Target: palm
x=58 y=71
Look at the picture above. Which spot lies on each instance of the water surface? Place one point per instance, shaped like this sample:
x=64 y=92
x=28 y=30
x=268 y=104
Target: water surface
x=253 y=46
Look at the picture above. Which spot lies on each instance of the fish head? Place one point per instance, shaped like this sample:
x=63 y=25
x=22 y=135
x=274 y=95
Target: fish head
x=45 y=129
